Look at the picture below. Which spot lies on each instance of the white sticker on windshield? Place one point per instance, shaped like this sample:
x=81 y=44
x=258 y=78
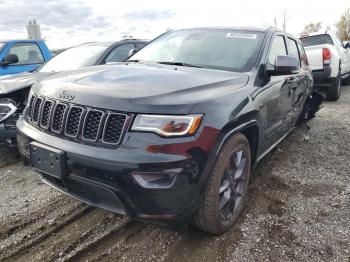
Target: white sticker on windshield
x=241 y=35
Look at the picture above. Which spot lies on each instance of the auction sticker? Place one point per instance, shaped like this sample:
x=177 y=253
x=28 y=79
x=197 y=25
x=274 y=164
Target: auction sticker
x=241 y=35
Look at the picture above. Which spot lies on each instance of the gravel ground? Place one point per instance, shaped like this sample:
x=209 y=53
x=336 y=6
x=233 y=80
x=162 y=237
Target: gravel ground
x=298 y=210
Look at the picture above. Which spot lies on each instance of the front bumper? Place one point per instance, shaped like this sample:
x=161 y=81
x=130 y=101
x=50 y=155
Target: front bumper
x=102 y=176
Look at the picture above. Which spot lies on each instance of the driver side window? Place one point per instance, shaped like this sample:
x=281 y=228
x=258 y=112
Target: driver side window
x=119 y=53
x=278 y=48
x=27 y=53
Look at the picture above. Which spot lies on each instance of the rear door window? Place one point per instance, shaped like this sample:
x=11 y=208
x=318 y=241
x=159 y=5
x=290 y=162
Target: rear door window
x=303 y=57
x=293 y=48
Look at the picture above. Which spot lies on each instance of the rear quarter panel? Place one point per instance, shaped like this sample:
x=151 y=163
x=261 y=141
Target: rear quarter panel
x=314 y=55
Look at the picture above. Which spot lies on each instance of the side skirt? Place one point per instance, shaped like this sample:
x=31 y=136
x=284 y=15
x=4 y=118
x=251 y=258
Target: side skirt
x=274 y=145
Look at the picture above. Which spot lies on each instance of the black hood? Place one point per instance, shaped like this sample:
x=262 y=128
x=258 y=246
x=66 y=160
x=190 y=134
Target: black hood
x=141 y=87
x=12 y=83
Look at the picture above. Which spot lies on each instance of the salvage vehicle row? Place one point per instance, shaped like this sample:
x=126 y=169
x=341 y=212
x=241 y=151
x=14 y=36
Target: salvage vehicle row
x=14 y=89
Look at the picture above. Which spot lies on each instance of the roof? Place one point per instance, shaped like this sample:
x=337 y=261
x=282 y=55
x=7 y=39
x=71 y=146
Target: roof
x=246 y=28
x=20 y=40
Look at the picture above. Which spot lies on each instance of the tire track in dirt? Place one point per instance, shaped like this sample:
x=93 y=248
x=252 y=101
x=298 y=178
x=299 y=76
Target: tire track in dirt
x=67 y=236
x=8 y=155
x=19 y=247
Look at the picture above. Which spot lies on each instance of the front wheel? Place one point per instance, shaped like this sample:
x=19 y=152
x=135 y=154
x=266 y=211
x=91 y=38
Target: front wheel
x=225 y=194
x=333 y=92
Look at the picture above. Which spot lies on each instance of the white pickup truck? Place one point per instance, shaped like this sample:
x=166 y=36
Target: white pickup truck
x=329 y=60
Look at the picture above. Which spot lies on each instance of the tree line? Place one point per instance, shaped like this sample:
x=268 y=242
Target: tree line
x=343 y=26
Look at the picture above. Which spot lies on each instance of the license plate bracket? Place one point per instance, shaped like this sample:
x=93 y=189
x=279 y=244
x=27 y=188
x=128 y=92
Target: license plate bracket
x=47 y=159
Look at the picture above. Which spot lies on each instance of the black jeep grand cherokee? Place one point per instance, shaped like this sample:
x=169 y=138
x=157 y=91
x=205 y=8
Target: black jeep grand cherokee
x=173 y=133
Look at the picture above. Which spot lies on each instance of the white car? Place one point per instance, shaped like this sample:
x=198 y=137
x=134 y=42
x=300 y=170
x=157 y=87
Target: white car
x=329 y=60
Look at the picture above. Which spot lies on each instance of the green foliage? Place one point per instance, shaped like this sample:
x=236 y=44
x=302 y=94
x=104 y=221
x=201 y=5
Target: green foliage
x=313 y=27
x=343 y=26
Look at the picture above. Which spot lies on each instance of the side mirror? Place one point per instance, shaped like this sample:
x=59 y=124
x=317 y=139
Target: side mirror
x=347 y=45
x=132 y=52
x=9 y=59
x=285 y=65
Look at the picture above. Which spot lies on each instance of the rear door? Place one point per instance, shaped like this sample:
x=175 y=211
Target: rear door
x=29 y=58
x=299 y=82
x=277 y=96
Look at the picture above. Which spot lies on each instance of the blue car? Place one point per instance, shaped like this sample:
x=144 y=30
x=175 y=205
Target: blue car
x=14 y=89
x=17 y=56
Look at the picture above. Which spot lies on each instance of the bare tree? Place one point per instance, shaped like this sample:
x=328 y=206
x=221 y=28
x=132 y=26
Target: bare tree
x=343 y=26
x=313 y=27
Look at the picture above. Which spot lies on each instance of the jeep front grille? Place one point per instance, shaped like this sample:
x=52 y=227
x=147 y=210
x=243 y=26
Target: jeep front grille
x=77 y=122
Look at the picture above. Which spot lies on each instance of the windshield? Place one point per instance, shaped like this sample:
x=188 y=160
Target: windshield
x=218 y=49
x=74 y=58
x=316 y=40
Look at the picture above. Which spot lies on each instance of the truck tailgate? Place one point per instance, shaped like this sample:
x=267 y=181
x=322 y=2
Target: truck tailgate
x=315 y=57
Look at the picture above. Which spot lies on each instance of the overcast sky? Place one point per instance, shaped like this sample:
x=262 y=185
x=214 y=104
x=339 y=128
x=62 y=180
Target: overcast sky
x=70 y=22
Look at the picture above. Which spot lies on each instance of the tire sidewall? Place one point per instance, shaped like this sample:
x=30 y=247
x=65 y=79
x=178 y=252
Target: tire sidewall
x=213 y=223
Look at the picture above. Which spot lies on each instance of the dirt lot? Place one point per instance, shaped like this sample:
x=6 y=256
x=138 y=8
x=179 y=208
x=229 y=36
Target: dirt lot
x=299 y=210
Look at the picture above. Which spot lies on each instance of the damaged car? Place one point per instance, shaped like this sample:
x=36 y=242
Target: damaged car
x=14 y=89
x=171 y=135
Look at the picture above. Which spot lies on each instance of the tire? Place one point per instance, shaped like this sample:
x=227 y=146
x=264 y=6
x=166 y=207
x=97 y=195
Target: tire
x=210 y=217
x=333 y=92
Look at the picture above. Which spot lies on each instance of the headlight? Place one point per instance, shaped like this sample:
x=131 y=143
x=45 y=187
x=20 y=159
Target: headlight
x=167 y=125
x=6 y=110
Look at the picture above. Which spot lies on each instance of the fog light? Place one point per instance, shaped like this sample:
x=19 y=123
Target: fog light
x=156 y=180
x=6 y=110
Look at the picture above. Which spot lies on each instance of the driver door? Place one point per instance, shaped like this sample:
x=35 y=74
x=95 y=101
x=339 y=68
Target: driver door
x=29 y=58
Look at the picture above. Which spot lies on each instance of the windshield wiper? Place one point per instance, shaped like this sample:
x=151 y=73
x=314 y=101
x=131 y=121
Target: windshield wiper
x=133 y=60
x=180 y=64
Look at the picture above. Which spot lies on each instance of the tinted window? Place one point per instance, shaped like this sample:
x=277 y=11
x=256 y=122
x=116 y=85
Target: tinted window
x=139 y=45
x=28 y=53
x=74 y=58
x=218 y=49
x=303 y=56
x=278 y=48
x=293 y=48
x=119 y=53
x=316 y=40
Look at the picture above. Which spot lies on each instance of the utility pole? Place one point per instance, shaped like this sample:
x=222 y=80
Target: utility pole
x=285 y=21
x=275 y=22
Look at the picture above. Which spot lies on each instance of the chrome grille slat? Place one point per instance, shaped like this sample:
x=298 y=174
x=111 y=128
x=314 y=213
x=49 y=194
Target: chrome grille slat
x=37 y=110
x=85 y=124
x=114 y=125
x=58 y=118
x=45 y=119
x=73 y=121
x=30 y=107
x=92 y=125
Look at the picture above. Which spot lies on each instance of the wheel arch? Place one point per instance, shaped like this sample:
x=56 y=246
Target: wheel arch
x=250 y=129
